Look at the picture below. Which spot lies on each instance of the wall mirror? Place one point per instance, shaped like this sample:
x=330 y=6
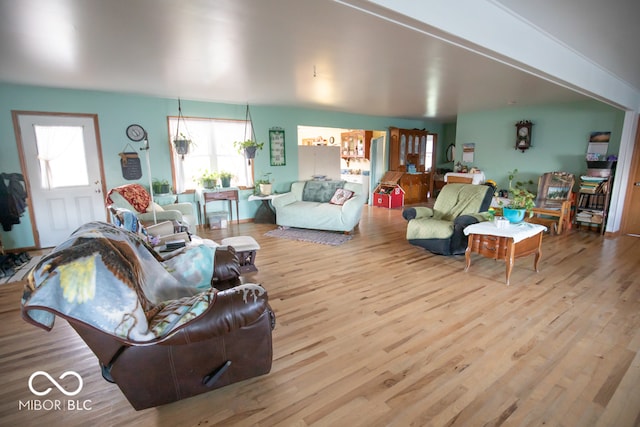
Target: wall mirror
x=451 y=150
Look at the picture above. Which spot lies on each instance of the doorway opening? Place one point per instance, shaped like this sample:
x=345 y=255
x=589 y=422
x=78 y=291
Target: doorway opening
x=352 y=155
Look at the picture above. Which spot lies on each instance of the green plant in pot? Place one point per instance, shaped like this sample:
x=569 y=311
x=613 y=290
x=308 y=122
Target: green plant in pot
x=161 y=186
x=208 y=179
x=521 y=200
x=248 y=147
x=182 y=144
x=225 y=178
x=264 y=185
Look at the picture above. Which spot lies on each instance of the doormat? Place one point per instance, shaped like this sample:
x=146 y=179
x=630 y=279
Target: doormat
x=20 y=272
x=332 y=238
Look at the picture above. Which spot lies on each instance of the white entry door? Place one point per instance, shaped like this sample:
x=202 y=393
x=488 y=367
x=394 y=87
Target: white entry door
x=64 y=169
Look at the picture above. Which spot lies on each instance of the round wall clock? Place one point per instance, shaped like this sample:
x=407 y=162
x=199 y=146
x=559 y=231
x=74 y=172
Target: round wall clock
x=136 y=133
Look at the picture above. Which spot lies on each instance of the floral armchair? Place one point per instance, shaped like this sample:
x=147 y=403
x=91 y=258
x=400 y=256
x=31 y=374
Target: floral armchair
x=135 y=198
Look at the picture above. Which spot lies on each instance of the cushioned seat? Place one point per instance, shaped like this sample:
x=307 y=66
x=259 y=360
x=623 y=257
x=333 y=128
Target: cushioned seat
x=247 y=248
x=440 y=229
x=135 y=198
x=321 y=205
x=157 y=327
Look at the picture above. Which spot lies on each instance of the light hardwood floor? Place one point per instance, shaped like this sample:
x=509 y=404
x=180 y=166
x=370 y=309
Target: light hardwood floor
x=377 y=332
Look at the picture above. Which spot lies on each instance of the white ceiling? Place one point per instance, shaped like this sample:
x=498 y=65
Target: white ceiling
x=311 y=53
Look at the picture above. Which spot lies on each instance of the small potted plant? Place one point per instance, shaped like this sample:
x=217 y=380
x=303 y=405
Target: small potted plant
x=264 y=185
x=225 y=178
x=521 y=200
x=248 y=148
x=161 y=186
x=208 y=179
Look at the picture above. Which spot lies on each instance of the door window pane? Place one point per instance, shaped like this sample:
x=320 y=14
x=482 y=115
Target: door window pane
x=62 y=156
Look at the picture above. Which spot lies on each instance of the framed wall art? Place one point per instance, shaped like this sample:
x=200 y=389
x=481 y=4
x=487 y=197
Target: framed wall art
x=276 y=147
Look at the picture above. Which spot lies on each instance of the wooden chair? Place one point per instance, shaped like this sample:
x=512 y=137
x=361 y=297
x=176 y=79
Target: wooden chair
x=554 y=201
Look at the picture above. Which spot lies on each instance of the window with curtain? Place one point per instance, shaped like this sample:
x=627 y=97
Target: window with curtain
x=211 y=150
x=62 y=156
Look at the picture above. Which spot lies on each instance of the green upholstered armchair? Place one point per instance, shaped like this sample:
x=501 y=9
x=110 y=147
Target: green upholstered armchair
x=440 y=229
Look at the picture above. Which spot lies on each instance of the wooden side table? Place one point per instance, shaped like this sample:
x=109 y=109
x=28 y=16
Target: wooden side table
x=508 y=243
x=229 y=194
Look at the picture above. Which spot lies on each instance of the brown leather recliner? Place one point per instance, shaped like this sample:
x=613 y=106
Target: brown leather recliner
x=156 y=350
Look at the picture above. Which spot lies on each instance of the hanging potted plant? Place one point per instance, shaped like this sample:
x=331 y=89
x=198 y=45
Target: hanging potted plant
x=225 y=178
x=182 y=144
x=521 y=200
x=248 y=147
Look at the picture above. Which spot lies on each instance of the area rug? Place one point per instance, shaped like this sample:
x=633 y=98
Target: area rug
x=332 y=238
x=20 y=272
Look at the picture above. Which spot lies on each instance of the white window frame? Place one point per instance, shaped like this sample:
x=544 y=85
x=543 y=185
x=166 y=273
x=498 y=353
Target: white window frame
x=212 y=150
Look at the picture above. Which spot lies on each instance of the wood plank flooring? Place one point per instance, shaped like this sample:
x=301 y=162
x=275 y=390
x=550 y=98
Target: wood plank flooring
x=377 y=332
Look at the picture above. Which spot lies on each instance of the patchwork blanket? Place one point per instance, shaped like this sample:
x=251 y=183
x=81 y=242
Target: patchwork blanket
x=113 y=280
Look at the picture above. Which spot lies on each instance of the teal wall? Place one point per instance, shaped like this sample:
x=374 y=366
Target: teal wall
x=559 y=138
x=116 y=111
x=560 y=135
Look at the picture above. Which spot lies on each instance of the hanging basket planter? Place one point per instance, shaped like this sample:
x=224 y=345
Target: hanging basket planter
x=181 y=142
x=250 y=152
x=248 y=148
x=182 y=146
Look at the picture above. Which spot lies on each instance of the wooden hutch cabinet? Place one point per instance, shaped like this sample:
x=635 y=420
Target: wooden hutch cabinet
x=412 y=151
x=356 y=144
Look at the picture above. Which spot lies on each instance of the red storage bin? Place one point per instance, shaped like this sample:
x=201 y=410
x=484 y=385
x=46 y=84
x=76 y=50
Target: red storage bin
x=388 y=194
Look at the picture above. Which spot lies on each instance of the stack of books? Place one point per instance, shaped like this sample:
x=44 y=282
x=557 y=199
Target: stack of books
x=593 y=184
x=593 y=216
x=172 y=245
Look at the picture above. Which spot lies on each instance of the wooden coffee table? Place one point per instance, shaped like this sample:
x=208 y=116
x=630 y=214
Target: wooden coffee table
x=508 y=243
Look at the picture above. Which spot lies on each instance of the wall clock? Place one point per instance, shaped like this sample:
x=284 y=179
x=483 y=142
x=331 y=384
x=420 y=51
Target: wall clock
x=136 y=133
x=523 y=135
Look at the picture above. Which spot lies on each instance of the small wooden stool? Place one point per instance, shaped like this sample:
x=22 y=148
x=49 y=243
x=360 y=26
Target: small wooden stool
x=246 y=248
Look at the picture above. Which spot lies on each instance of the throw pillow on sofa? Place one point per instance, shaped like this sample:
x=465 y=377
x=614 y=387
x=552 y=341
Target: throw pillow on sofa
x=341 y=196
